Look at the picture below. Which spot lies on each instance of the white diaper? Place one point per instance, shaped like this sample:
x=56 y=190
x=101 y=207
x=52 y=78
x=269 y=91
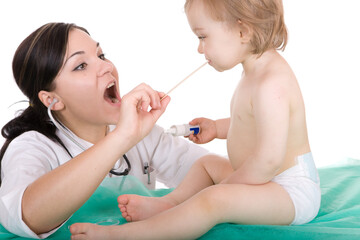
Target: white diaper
x=303 y=185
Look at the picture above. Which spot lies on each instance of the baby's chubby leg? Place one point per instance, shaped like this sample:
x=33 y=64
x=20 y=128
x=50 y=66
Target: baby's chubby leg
x=207 y=171
x=81 y=231
x=237 y=203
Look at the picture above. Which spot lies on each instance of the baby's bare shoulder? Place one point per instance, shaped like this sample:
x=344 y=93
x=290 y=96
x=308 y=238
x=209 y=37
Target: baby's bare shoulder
x=280 y=78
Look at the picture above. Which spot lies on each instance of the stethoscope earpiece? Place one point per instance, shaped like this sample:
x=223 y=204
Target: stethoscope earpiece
x=52 y=103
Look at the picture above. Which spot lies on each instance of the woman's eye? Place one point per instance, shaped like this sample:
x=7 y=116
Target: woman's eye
x=102 y=56
x=201 y=38
x=81 y=67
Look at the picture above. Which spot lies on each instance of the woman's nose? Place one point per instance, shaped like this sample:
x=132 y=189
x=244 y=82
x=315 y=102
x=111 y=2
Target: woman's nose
x=105 y=67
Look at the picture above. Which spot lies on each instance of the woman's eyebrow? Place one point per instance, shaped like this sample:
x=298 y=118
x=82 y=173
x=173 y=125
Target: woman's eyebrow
x=79 y=52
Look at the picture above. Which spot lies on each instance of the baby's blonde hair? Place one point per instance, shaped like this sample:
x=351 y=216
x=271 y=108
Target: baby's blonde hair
x=264 y=17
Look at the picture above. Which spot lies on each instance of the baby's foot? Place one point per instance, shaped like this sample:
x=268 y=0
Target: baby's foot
x=136 y=208
x=89 y=231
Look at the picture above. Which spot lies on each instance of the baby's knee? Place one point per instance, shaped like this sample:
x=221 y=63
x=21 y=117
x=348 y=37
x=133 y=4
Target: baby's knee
x=212 y=198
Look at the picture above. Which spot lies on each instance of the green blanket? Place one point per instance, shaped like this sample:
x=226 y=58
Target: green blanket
x=339 y=216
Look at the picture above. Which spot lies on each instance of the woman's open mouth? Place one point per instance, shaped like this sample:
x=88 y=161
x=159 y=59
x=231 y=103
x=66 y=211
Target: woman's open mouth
x=111 y=94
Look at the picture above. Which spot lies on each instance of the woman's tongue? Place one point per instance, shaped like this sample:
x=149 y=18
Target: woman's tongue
x=110 y=95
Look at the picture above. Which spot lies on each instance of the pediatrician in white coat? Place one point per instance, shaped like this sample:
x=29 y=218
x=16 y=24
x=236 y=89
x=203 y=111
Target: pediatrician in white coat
x=77 y=131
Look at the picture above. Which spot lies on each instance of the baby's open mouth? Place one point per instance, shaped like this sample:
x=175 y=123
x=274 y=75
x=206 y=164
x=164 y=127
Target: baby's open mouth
x=111 y=93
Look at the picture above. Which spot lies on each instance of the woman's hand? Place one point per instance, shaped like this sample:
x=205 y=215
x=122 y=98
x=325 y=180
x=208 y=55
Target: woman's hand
x=207 y=130
x=140 y=109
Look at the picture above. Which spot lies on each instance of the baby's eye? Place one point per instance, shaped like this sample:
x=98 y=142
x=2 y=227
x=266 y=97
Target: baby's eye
x=102 y=56
x=80 y=67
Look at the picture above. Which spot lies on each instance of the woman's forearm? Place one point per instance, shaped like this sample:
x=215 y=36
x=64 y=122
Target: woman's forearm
x=55 y=196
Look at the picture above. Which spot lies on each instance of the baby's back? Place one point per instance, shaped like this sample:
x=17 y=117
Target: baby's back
x=268 y=117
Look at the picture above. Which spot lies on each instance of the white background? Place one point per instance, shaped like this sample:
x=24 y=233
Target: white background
x=150 y=41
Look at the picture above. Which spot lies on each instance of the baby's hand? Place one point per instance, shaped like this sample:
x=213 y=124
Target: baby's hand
x=207 y=130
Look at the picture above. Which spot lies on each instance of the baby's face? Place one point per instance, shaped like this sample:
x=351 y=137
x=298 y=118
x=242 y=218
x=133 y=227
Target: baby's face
x=221 y=44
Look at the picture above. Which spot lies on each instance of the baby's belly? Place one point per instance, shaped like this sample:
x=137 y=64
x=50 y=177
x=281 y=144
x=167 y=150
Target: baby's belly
x=239 y=149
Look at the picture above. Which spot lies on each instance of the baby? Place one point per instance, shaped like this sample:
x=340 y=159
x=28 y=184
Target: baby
x=270 y=176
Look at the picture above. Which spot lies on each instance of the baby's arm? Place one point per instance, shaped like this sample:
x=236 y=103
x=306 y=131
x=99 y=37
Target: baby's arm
x=210 y=129
x=271 y=110
x=222 y=127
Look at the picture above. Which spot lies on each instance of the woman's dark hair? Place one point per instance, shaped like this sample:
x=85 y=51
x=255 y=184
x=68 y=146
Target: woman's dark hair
x=37 y=61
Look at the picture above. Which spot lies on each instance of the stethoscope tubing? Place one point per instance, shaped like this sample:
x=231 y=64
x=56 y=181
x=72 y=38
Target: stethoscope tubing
x=67 y=134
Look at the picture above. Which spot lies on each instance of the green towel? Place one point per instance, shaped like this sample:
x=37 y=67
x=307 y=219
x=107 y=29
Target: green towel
x=338 y=218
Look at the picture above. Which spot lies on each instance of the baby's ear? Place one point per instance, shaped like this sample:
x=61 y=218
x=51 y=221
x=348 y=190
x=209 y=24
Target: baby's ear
x=47 y=98
x=245 y=32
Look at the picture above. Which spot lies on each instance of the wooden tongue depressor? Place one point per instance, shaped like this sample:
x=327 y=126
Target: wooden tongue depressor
x=182 y=81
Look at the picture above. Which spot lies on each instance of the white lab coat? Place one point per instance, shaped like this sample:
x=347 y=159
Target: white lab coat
x=31 y=155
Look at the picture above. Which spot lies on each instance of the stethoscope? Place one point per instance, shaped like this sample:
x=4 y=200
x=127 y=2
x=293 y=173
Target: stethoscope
x=65 y=131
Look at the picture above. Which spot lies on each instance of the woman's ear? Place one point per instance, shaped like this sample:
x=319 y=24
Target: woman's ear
x=47 y=98
x=245 y=32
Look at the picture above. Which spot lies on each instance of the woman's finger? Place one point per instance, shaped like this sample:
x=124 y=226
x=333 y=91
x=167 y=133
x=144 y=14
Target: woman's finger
x=153 y=95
